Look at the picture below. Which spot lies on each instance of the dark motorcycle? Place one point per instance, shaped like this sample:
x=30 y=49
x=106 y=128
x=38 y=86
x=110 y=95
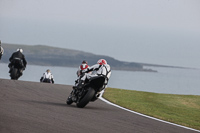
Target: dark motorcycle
x=89 y=92
x=46 y=80
x=16 y=68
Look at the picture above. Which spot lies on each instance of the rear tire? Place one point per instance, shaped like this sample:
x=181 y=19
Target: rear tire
x=86 y=99
x=13 y=74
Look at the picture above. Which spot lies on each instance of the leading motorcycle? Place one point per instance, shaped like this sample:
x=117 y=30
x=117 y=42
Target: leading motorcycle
x=16 y=68
x=88 y=93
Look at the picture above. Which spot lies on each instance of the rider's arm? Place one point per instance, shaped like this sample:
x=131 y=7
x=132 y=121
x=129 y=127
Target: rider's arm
x=10 y=59
x=24 y=61
x=2 y=51
x=52 y=80
x=92 y=68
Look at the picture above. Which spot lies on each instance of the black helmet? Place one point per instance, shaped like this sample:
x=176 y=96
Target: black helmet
x=84 y=62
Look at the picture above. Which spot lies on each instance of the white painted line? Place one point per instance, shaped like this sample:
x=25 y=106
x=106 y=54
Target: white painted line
x=146 y=115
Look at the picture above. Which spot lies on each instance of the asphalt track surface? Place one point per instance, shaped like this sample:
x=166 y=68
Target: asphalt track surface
x=30 y=107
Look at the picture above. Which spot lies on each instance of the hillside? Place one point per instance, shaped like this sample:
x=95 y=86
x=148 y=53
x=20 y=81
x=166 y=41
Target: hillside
x=52 y=56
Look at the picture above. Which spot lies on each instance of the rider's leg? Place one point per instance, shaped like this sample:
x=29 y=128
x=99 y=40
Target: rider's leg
x=10 y=65
x=80 y=82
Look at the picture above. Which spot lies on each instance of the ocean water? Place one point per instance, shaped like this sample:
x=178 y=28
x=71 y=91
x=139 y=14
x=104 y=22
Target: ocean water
x=166 y=80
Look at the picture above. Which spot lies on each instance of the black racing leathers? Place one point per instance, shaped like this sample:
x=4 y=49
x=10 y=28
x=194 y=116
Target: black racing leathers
x=18 y=54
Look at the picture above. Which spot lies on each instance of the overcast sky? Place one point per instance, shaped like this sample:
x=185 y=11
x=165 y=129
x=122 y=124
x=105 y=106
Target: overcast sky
x=150 y=31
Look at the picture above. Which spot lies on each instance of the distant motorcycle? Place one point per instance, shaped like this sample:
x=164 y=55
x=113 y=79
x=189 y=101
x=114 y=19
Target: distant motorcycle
x=46 y=80
x=89 y=92
x=16 y=69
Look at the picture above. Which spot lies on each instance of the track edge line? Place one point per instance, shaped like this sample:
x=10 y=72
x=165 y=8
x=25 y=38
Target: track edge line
x=108 y=102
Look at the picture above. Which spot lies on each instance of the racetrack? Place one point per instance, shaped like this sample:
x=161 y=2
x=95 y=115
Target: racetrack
x=30 y=107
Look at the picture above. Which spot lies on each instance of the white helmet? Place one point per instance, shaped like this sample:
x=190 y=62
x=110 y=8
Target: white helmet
x=101 y=62
x=20 y=50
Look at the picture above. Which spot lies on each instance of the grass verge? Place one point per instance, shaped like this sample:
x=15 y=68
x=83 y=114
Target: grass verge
x=180 y=109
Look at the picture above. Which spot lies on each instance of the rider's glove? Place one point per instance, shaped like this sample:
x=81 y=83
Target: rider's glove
x=85 y=70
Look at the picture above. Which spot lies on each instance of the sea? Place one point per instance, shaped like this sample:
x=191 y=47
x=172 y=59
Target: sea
x=166 y=80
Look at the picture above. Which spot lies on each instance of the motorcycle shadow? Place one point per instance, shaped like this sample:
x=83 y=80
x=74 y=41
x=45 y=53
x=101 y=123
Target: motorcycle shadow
x=44 y=102
x=62 y=104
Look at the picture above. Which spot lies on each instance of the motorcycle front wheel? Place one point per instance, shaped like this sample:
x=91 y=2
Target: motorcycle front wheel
x=69 y=100
x=86 y=98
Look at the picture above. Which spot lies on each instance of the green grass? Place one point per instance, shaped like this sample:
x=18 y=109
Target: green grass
x=180 y=109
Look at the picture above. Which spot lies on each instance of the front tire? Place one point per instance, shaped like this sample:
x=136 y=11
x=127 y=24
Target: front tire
x=86 y=99
x=69 y=100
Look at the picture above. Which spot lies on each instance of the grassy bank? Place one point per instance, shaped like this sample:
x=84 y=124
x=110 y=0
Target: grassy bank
x=180 y=109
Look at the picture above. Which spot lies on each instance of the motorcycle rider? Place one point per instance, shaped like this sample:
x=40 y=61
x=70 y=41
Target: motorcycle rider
x=47 y=77
x=83 y=66
x=18 y=55
x=99 y=69
x=1 y=50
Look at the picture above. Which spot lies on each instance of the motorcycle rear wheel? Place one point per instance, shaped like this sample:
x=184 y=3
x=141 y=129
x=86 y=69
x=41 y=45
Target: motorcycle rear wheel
x=86 y=99
x=13 y=74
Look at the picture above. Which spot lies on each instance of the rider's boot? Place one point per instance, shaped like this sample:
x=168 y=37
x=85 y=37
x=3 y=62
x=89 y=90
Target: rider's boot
x=80 y=85
x=9 y=71
x=9 y=66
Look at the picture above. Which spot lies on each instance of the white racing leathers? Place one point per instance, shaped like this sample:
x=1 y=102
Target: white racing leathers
x=97 y=70
x=1 y=50
x=49 y=76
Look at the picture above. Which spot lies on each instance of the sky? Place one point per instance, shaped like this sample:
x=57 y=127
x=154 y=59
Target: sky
x=165 y=32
